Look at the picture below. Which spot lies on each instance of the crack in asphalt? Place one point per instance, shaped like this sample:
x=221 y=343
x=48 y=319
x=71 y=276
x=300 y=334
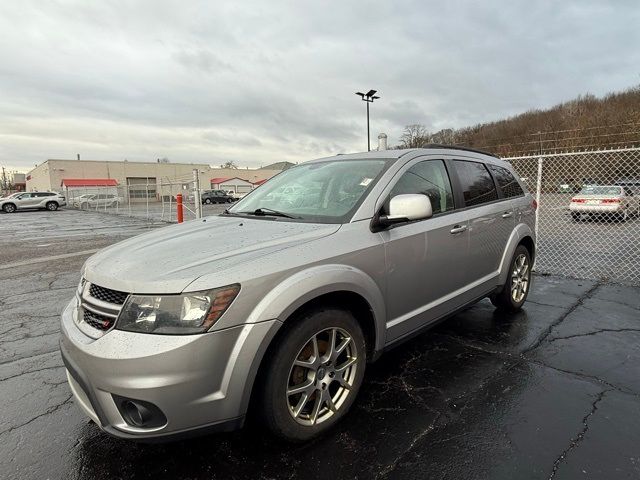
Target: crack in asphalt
x=562 y=317
x=578 y=438
x=394 y=464
x=31 y=371
x=14 y=360
x=49 y=411
x=515 y=356
x=596 y=332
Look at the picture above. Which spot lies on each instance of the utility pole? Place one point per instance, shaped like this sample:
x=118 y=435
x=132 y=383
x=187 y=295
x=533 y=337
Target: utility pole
x=368 y=97
x=4 y=180
x=196 y=193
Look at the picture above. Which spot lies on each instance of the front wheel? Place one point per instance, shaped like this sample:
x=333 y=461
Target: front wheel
x=9 y=208
x=515 y=291
x=313 y=374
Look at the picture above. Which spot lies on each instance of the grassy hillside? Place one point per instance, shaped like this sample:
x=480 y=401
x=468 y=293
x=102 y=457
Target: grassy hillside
x=587 y=122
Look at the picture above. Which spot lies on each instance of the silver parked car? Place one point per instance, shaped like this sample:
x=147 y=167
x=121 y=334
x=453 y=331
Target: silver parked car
x=605 y=201
x=32 y=200
x=277 y=305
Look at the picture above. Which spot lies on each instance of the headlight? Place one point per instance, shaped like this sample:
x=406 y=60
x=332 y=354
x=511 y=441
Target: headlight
x=182 y=314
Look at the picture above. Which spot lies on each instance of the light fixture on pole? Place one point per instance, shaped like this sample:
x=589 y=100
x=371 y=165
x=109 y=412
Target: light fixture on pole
x=368 y=97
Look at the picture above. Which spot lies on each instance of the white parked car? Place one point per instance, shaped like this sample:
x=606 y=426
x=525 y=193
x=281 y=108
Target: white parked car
x=32 y=200
x=97 y=200
x=81 y=200
x=605 y=201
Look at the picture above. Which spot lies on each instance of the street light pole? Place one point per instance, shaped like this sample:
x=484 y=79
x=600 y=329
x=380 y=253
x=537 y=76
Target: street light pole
x=368 y=97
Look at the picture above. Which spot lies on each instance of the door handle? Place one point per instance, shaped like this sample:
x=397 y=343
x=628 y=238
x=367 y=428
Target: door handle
x=458 y=229
x=507 y=215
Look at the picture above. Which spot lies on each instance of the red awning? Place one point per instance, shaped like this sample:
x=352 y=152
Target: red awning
x=89 y=182
x=217 y=181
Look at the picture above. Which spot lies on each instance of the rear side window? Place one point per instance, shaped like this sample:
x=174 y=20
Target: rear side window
x=429 y=178
x=476 y=182
x=506 y=181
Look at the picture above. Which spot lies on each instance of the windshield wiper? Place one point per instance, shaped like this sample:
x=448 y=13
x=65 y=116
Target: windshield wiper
x=263 y=211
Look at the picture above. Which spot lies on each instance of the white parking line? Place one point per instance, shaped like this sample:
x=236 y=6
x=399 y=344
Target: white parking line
x=47 y=259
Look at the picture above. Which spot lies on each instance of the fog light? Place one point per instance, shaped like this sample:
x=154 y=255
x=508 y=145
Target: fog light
x=139 y=413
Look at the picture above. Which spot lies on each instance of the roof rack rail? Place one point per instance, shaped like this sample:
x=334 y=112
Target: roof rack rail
x=458 y=147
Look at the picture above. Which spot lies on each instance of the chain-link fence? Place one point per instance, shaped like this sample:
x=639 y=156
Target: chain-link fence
x=588 y=218
x=153 y=201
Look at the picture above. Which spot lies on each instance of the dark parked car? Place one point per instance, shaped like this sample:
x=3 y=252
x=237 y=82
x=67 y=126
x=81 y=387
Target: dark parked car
x=217 y=196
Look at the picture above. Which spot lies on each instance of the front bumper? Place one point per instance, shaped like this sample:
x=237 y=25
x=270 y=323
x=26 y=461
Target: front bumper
x=199 y=382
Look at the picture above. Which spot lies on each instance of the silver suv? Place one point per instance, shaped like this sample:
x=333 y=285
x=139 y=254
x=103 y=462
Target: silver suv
x=276 y=306
x=32 y=200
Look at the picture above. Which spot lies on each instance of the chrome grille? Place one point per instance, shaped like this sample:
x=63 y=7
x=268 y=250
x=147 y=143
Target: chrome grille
x=107 y=295
x=99 y=308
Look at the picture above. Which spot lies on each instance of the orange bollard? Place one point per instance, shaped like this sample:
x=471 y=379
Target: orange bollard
x=179 y=211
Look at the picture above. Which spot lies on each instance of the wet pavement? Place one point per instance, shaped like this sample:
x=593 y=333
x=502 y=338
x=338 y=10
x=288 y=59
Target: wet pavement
x=551 y=392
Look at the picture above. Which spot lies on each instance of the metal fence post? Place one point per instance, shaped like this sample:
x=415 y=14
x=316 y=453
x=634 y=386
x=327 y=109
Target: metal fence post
x=196 y=193
x=538 y=192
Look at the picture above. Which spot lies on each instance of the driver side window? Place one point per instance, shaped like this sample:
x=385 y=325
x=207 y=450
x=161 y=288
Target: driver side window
x=429 y=178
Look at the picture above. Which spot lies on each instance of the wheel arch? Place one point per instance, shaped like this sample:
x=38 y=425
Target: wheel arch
x=348 y=287
x=521 y=235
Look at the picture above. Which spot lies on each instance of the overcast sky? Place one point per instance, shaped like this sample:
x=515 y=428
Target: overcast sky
x=260 y=82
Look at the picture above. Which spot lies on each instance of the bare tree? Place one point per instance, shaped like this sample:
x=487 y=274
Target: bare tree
x=414 y=136
x=446 y=136
x=229 y=164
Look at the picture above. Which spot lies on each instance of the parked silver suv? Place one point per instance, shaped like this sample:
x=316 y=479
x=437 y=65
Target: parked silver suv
x=32 y=200
x=276 y=306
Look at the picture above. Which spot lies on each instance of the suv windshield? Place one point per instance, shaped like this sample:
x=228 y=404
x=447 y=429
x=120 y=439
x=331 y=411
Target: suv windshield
x=323 y=192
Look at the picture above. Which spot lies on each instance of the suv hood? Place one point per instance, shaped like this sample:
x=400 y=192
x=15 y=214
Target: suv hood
x=167 y=260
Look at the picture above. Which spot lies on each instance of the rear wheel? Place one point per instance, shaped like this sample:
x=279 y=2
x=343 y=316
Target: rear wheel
x=575 y=216
x=52 y=206
x=9 y=208
x=314 y=374
x=515 y=291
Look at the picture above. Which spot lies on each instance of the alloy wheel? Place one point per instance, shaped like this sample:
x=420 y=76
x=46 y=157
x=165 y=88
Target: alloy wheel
x=520 y=278
x=322 y=376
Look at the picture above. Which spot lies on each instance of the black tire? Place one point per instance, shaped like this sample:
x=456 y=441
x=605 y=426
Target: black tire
x=207 y=201
x=274 y=404
x=229 y=200
x=575 y=217
x=504 y=299
x=52 y=206
x=9 y=208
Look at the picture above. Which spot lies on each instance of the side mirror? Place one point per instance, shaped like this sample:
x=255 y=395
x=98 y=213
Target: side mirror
x=404 y=208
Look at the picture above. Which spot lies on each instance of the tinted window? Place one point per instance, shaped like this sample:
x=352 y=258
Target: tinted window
x=506 y=181
x=431 y=179
x=477 y=185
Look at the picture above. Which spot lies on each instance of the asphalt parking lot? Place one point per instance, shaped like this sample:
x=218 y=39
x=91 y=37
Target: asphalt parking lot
x=551 y=392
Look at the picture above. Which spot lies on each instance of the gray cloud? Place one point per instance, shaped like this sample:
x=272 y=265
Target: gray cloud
x=259 y=82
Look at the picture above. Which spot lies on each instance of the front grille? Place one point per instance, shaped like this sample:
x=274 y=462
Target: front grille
x=98 y=321
x=107 y=295
x=99 y=308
